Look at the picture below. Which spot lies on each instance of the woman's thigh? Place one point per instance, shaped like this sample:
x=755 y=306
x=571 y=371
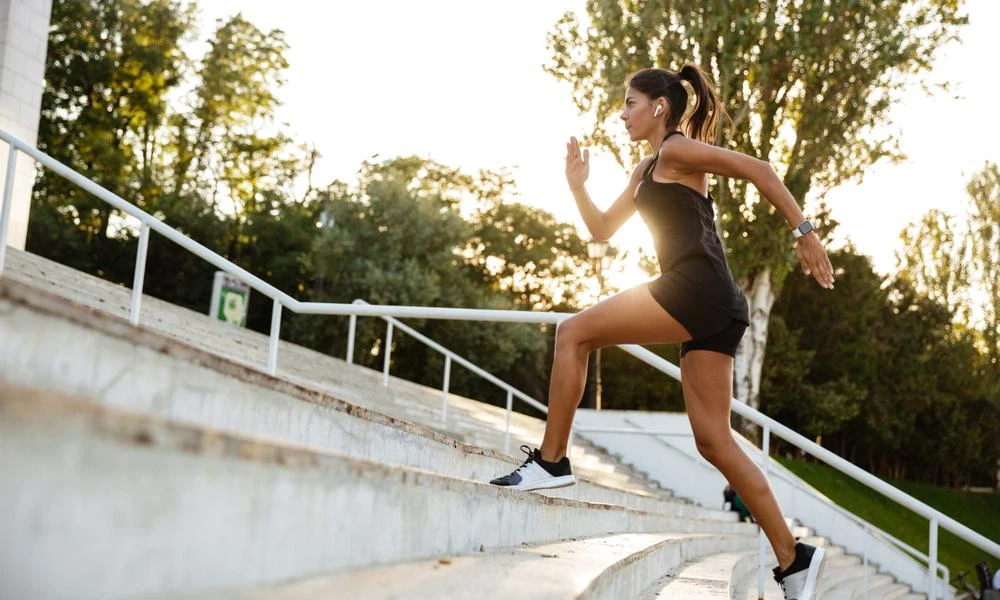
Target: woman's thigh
x=707 y=381
x=631 y=317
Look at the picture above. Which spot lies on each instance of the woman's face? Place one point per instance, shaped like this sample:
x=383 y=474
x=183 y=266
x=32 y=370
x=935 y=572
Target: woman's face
x=638 y=114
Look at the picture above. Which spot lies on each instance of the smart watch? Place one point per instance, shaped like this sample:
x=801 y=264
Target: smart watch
x=804 y=228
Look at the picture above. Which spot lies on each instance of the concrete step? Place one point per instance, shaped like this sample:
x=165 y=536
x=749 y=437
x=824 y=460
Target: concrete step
x=712 y=577
x=746 y=588
x=469 y=421
x=846 y=579
x=612 y=567
x=851 y=588
x=53 y=343
x=98 y=502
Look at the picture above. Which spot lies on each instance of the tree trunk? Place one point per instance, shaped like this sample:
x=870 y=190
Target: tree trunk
x=750 y=355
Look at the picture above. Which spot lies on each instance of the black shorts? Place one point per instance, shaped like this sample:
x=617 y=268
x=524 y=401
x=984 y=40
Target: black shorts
x=725 y=341
x=697 y=309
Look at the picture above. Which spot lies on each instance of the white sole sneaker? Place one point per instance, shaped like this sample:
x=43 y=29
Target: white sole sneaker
x=550 y=483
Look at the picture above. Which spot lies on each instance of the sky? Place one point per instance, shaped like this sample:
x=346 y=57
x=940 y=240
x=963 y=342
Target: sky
x=462 y=83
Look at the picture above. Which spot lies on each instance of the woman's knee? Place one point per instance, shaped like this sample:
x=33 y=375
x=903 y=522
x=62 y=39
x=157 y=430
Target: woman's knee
x=572 y=335
x=715 y=448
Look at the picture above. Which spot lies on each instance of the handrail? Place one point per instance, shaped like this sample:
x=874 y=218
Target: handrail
x=281 y=299
x=463 y=361
x=147 y=219
x=512 y=391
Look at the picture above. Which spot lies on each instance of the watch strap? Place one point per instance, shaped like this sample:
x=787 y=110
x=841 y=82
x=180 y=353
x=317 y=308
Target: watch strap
x=803 y=229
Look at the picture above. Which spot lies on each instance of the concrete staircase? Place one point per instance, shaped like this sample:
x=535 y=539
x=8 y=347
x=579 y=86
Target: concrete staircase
x=161 y=461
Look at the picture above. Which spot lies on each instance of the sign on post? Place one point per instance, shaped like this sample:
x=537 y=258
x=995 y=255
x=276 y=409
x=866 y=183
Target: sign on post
x=230 y=299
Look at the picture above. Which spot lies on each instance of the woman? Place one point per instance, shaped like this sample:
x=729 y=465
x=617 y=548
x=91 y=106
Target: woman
x=695 y=301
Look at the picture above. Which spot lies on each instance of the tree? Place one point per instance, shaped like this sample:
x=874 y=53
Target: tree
x=221 y=149
x=822 y=360
x=109 y=68
x=956 y=264
x=875 y=371
x=529 y=255
x=984 y=232
x=401 y=239
x=935 y=258
x=805 y=85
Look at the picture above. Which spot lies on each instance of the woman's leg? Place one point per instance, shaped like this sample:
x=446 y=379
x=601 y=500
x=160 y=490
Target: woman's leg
x=631 y=317
x=707 y=381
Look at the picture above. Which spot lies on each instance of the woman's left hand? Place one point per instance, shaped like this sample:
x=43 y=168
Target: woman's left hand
x=814 y=260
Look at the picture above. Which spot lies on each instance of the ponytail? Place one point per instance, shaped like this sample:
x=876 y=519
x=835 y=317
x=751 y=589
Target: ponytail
x=702 y=123
x=661 y=83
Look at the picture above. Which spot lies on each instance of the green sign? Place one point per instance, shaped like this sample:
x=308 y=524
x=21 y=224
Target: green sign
x=230 y=299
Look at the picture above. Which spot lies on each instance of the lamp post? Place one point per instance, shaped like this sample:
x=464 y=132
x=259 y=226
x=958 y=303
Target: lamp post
x=597 y=252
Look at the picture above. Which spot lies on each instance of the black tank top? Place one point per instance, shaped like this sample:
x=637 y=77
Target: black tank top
x=682 y=223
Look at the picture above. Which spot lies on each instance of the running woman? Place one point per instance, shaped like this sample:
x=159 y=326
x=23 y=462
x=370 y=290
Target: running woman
x=694 y=302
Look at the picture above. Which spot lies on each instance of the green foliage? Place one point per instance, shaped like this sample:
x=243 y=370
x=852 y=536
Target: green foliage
x=109 y=68
x=956 y=265
x=629 y=384
x=876 y=372
x=401 y=239
x=984 y=237
x=935 y=258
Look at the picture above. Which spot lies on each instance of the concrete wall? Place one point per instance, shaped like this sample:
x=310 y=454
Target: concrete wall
x=24 y=35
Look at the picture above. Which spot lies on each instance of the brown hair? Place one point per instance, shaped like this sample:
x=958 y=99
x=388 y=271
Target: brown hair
x=661 y=83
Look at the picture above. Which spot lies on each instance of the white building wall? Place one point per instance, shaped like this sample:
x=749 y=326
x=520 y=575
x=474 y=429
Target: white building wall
x=24 y=34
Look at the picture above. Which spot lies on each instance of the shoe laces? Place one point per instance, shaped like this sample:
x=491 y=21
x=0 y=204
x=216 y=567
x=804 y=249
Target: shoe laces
x=531 y=457
x=781 y=582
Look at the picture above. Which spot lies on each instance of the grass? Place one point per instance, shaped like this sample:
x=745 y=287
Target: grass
x=979 y=512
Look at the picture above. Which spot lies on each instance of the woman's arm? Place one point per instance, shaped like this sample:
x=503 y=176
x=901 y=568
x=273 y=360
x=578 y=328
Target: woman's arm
x=601 y=224
x=687 y=154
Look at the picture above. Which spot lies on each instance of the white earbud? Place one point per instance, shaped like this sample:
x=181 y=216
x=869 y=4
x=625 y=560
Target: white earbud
x=657 y=111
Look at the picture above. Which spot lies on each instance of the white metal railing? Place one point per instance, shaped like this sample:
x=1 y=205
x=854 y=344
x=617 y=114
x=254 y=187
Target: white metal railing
x=282 y=300
x=450 y=356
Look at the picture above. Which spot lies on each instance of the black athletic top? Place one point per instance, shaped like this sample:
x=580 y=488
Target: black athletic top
x=682 y=223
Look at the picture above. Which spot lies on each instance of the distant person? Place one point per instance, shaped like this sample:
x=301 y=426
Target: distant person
x=732 y=501
x=695 y=301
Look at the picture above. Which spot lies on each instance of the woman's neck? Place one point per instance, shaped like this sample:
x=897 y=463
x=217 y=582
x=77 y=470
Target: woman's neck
x=656 y=138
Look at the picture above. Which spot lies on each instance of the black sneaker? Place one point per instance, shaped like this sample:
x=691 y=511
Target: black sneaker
x=801 y=579
x=537 y=474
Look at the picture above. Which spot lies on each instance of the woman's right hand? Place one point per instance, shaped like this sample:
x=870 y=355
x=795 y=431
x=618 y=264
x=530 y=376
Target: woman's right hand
x=577 y=164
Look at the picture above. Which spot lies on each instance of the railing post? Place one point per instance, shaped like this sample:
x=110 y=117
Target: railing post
x=444 y=388
x=932 y=562
x=140 y=274
x=765 y=451
x=272 y=349
x=506 y=432
x=350 y=339
x=388 y=355
x=8 y=200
